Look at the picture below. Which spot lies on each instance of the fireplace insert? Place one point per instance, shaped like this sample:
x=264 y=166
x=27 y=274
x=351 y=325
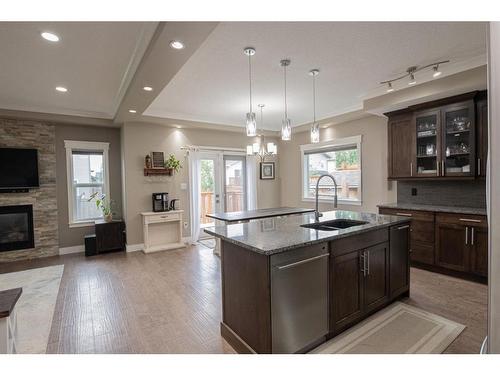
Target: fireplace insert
x=16 y=227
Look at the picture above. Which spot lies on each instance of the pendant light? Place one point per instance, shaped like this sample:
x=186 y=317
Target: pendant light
x=286 y=126
x=251 y=124
x=260 y=148
x=315 y=125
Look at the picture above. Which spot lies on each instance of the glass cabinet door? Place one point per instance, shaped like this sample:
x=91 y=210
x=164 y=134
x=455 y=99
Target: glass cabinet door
x=458 y=140
x=428 y=143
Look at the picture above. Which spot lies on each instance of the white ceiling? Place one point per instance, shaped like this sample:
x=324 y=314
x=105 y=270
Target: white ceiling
x=94 y=60
x=352 y=57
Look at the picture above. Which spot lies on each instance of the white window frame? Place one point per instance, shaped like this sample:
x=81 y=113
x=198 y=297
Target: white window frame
x=341 y=143
x=71 y=146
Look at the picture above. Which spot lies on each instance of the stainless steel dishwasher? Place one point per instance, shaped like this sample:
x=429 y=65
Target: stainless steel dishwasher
x=299 y=298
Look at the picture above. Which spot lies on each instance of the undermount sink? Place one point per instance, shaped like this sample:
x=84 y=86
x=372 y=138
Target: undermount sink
x=334 y=224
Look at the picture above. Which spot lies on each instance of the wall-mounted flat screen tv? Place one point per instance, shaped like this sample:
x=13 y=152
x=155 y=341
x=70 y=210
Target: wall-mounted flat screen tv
x=18 y=168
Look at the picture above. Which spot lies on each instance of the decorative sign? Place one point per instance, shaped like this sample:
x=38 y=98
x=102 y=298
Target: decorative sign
x=158 y=159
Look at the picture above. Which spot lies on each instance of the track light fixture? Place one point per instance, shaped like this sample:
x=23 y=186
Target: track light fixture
x=411 y=71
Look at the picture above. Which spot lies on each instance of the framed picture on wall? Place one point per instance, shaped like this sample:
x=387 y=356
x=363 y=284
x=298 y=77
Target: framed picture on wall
x=267 y=170
x=157 y=159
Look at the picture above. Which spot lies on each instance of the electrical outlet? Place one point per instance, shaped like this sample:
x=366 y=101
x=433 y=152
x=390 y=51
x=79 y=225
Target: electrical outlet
x=413 y=191
x=185 y=224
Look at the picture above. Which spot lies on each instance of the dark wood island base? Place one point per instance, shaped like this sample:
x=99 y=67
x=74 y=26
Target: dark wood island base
x=359 y=275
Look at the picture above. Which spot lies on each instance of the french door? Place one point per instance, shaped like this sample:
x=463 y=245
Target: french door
x=223 y=184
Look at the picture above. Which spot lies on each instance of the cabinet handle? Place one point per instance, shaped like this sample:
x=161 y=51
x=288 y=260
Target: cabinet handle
x=411 y=169
x=466 y=235
x=368 y=262
x=437 y=167
x=472 y=236
x=403 y=214
x=478 y=166
x=362 y=259
x=403 y=227
x=302 y=262
x=471 y=220
x=442 y=168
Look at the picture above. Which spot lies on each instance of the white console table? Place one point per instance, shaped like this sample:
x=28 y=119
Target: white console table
x=8 y=320
x=162 y=230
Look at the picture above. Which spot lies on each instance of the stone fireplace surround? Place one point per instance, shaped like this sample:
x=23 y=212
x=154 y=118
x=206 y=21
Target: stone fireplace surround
x=39 y=135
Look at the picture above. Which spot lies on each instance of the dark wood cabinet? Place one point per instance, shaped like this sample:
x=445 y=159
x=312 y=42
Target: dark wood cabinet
x=422 y=235
x=376 y=278
x=482 y=136
x=347 y=281
x=399 y=262
x=109 y=236
x=458 y=145
x=445 y=138
x=359 y=279
x=450 y=243
x=400 y=146
x=479 y=251
x=451 y=246
x=427 y=147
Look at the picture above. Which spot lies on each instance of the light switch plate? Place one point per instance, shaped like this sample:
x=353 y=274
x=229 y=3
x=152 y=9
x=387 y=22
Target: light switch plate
x=184 y=186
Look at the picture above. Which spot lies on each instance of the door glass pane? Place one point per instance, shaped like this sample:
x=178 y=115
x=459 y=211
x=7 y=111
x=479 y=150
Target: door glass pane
x=207 y=198
x=235 y=184
x=427 y=144
x=457 y=143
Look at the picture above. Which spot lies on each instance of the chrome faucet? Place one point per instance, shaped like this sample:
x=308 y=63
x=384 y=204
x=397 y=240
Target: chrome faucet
x=318 y=214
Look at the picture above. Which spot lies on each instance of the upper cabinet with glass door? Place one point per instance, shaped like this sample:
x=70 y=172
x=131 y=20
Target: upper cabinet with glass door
x=428 y=140
x=458 y=147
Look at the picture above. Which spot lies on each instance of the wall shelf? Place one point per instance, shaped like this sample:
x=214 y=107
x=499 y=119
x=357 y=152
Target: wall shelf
x=157 y=172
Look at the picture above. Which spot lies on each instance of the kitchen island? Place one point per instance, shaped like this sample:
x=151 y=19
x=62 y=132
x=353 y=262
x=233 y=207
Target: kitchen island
x=290 y=283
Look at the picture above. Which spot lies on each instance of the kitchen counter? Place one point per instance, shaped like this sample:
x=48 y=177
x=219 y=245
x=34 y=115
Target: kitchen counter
x=433 y=208
x=278 y=234
x=258 y=214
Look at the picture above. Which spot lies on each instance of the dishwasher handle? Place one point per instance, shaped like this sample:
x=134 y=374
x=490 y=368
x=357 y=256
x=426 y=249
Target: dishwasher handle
x=295 y=264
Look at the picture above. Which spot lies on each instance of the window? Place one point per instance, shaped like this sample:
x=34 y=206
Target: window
x=342 y=159
x=87 y=169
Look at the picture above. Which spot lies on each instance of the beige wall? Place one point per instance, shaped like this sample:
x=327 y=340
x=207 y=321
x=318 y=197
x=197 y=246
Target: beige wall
x=75 y=236
x=138 y=139
x=376 y=188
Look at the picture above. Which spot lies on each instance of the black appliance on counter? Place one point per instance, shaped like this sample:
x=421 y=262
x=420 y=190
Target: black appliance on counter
x=160 y=202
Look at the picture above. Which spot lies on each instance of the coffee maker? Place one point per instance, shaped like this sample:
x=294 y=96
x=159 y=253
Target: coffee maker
x=160 y=202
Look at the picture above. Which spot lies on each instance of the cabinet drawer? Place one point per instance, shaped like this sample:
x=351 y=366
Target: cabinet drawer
x=162 y=218
x=359 y=241
x=417 y=215
x=465 y=220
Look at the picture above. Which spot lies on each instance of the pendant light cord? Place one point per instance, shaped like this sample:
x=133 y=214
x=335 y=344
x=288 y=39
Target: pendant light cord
x=284 y=73
x=250 y=79
x=314 y=99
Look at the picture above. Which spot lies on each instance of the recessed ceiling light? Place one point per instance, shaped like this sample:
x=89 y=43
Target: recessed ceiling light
x=147 y=88
x=132 y=111
x=61 y=89
x=176 y=44
x=51 y=37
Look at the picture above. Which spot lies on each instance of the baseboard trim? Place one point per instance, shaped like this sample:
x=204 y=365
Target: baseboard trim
x=134 y=247
x=71 y=250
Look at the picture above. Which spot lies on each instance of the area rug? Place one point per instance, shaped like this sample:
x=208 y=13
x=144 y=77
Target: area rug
x=35 y=308
x=398 y=329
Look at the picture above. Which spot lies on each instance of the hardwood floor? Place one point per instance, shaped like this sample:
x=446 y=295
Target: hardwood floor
x=169 y=302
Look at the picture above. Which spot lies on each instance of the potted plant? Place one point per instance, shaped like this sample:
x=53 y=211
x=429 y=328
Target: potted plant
x=103 y=204
x=173 y=164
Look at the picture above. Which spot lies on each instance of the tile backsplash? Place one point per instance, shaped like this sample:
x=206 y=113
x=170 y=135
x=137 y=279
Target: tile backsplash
x=444 y=193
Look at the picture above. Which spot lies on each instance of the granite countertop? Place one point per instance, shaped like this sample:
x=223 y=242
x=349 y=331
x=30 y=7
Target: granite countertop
x=278 y=234
x=434 y=208
x=8 y=299
x=258 y=214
